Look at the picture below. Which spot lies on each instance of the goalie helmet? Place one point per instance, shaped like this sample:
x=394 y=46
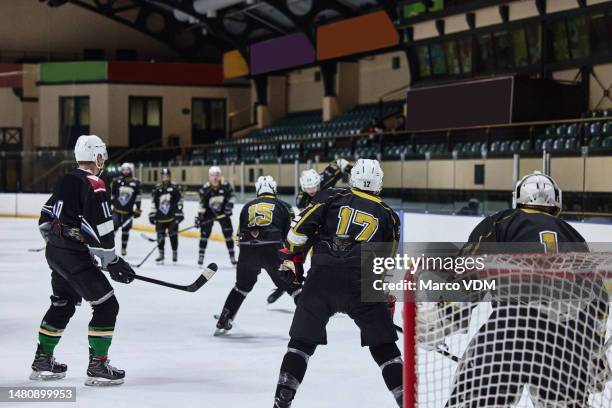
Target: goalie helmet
x=310 y=180
x=127 y=167
x=214 y=170
x=367 y=175
x=90 y=148
x=537 y=190
x=265 y=185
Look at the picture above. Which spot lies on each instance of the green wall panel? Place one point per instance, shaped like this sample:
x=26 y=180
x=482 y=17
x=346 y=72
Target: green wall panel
x=85 y=71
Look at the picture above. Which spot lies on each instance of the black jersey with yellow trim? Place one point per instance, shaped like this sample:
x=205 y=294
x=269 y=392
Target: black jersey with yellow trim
x=125 y=195
x=264 y=219
x=330 y=176
x=215 y=200
x=166 y=202
x=547 y=233
x=354 y=214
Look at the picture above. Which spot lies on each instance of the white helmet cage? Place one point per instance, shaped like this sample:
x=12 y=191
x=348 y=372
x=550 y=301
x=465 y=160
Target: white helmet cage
x=310 y=179
x=537 y=190
x=90 y=148
x=265 y=185
x=214 y=170
x=367 y=175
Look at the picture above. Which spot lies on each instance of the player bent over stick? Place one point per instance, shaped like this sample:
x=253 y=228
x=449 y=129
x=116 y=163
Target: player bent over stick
x=557 y=353
x=341 y=224
x=77 y=223
x=264 y=223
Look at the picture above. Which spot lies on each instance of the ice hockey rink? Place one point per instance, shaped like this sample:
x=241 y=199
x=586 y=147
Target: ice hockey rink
x=164 y=337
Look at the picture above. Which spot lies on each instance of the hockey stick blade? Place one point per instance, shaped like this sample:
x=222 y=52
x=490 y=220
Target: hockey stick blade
x=37 y=249
x=206 y=275
x=441 y=349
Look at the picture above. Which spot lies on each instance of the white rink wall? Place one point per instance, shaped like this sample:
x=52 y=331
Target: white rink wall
x=418 y=227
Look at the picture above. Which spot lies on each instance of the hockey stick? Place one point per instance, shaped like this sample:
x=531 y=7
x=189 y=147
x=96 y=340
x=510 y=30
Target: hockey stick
x=37 y=249
x=148 y=238
x=442 y=348
x=155 y=247
x=126 y=222
x=206 y=275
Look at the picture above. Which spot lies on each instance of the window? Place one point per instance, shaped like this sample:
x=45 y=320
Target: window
x=521 y=54
x=395 y=63
x=317 y=76
x=208 y=118
x=424 y=61
x=560 y=44
x=578 y=35
x=485 y=60
x=145 y=111
x=74 y=119
x=534 y=43
x=438 y=59
x=465 y=51
x=600 y=34
x=503 y=50
x=452 y=58
x=145 y=121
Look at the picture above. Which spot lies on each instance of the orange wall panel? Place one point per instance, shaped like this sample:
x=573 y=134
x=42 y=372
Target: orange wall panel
x=360 y=34
x=234 y=66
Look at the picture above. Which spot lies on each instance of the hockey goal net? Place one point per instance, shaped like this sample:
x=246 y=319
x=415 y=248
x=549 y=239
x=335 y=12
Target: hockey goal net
x=541 y=339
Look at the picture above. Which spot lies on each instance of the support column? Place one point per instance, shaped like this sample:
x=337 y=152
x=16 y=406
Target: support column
x=271 y=99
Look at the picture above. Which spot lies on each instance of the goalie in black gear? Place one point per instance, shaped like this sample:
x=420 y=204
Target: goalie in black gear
x=312 y=186
x=551 y=345
x=264 y=223
x=340 y=225
x=126 y=202
x=76 y=222
x=166 y=213
x=216 y=204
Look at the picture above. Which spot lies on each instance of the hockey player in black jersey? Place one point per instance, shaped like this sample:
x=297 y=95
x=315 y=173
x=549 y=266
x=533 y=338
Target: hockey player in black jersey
x=125 y=200
x=264 y=223
x=166 y=213
x=311 y=187
x=312 y=193
x=545 y=344
x=216 y=203
x=76 y=222
x=340 y=225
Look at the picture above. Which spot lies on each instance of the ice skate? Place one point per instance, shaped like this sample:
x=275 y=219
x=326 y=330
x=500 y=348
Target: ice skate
x=45 y=368
x=100 y=373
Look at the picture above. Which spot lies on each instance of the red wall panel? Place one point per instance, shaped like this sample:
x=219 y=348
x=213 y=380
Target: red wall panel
x=8 y=80
x=165 y=73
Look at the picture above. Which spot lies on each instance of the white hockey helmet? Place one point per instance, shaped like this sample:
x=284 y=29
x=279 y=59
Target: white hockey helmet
x=127 y=166
x=90 y=148
x=537 y=190
x=310 y=180
x=265 y=185
x=367 y=175
x=214 y=170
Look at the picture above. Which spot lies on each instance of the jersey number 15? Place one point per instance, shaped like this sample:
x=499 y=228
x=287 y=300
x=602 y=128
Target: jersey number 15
x=261 y=214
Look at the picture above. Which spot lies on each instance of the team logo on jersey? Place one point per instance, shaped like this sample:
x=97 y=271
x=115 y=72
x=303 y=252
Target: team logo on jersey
x=125 y=195
x=215 y=203
x=165 y=203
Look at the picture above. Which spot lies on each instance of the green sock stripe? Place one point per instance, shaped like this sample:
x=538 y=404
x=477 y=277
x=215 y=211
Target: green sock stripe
x=47 y=343
x=100 y=339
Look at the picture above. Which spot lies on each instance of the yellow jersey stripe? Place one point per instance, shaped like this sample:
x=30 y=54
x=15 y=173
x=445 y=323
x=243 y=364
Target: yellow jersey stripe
x=367 y=196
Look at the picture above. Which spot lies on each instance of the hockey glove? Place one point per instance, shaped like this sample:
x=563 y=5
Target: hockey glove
x=137 y=212
x=152 y=219
x=342 y=163
x=293 y=262
x=45 y=229
x=120 y=271
x=227 y=210
x=179 y=217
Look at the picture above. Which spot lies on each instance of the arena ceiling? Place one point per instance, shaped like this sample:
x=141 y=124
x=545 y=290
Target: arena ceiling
x=201 y=30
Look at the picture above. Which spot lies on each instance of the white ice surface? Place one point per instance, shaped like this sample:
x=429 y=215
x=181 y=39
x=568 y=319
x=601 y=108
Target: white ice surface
x=163 y=337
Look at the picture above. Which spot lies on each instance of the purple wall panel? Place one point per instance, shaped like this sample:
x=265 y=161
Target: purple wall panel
x=281 y=53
